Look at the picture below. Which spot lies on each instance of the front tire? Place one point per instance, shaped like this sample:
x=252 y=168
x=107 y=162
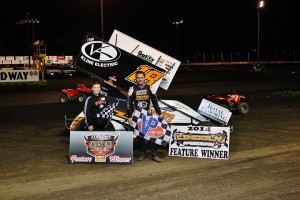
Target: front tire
x=81 y=98
x=243 y=108
x=64 y=99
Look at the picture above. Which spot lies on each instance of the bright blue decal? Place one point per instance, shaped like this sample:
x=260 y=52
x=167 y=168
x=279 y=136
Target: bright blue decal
x=152 y=123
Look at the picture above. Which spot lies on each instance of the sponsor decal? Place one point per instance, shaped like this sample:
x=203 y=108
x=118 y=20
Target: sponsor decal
x=142 y=104
x=118 y=159
x=141 y=92
x=160 y=61
x=149 y=58
x=169 y=66
x=100 y=102
x=214 y=111
x=19 y=75
x=142 y=97
x=151 y=75
x=166 y=115
x=200 y=140
x=150 y=127
x=76 y=121
x=112 y=79
x=60 y=57
x=80 y=159
x=100 y=146
x=99 y=53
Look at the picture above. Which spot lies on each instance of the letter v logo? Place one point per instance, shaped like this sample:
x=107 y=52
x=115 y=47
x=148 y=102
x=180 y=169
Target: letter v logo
x=152 y=123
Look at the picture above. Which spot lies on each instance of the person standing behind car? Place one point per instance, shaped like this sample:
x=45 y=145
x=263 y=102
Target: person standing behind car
x=94 y=104
x=141 y=95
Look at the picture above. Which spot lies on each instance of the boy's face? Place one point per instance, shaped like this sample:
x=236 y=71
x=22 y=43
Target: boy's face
x=140 y=78
x=96 y=89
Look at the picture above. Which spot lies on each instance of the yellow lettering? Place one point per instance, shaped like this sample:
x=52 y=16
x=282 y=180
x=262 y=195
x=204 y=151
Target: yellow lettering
x=208 y=138
x=151 y=75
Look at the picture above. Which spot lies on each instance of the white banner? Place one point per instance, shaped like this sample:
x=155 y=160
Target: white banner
x=101 y=147
x=27 y=58
x=60 y=57
x=200 y=142
x=147 y=53
x=19 y=75
x=214 y=111
x=15 y=62
x=9 y=57
x=24 y=61
x=52 y=57
x=2 y=57
x=69 y=58
x=19 y=57
x=6 y=62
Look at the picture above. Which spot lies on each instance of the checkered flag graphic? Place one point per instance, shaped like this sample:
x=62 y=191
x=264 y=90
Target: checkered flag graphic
x=108 y=111
x=151 y=127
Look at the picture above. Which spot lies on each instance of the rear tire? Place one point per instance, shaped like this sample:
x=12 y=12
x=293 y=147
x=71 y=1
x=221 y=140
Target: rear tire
x=243 y=108
x=81 y=98
x=64 y=99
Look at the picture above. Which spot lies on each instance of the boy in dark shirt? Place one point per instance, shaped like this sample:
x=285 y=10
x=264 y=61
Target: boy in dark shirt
x=94 y=104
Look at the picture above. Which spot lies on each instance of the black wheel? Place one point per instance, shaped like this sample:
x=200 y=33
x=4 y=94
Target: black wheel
x=243 y=108
x=81 y=98
x=64 y=98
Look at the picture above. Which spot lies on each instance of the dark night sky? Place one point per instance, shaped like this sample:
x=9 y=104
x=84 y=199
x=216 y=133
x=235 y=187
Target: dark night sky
x=211 y=25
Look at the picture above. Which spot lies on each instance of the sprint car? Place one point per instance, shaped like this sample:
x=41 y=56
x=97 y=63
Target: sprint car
x=174 y=112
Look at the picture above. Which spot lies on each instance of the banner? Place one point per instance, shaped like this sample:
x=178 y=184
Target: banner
x=200 y=142
x=6 y=62
x=147 y=53
x=19 y=57
x=113 y=65
x=150 y=127
x=214 y=111
x=19 y=75
x=9 y=57
x=101 y=147
x=16 y=62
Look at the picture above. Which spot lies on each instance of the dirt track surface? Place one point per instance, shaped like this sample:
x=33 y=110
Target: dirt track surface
x=264 y=161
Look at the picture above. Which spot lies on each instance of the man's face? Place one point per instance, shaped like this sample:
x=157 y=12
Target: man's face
x=140 y=78
x=96 y=89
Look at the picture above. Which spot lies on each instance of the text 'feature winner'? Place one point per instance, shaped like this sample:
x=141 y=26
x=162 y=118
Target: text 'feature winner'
x=200 y=142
